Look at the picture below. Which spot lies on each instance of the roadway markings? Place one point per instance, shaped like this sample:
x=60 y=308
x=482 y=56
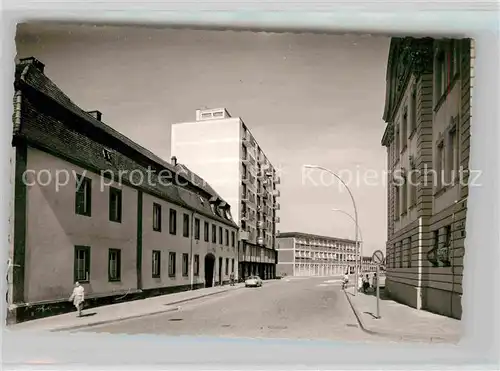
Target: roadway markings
x=330 y=283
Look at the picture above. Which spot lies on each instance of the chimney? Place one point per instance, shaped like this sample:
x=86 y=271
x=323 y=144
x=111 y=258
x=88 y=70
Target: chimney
x=174 y=160
x=96 y=114
x=32 y=60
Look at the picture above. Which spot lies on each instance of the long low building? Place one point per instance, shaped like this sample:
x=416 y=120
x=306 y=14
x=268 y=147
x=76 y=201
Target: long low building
x=303 y=254
x=92 y=206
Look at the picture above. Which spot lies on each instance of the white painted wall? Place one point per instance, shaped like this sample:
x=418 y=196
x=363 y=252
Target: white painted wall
x=212 y=150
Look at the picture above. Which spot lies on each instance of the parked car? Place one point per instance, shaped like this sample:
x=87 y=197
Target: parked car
x=253 y=281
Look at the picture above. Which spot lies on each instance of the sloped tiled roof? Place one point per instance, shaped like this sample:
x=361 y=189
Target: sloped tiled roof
x=33 y=77
x=55 y=136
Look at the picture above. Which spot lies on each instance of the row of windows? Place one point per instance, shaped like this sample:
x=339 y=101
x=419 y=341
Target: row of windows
x=83 y=205
x=223 y=233
x=82 y=264
x=439 y=255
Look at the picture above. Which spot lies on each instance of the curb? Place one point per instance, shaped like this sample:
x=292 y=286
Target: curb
x=391 y=335
x=103 y=322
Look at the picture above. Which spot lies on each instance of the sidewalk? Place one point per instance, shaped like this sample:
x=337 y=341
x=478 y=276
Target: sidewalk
x=401 y=321
x=119 y=312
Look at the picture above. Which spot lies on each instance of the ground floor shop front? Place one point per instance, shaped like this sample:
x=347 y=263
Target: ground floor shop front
x=266 y=271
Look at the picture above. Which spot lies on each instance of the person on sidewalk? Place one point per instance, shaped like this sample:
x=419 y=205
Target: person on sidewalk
x=345 y=281
x=366 y=283
x=231 y=278
x=78 y=297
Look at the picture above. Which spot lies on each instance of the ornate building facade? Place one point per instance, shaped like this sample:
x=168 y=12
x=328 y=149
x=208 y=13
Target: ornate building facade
x=427 y=111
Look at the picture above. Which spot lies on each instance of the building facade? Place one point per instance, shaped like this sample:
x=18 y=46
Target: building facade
x=234 y=163
x=427 y=111
x=302 y=254
x=92 y=206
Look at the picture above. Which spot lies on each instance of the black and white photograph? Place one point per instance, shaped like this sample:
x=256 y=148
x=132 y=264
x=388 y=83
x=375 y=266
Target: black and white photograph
x=239 y=184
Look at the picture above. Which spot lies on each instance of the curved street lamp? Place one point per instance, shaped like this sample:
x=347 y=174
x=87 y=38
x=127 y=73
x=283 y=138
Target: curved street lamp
x=360 y=235
x=355 y=216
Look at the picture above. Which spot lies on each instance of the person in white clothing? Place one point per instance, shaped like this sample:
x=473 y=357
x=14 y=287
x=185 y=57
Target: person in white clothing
x=78 y=297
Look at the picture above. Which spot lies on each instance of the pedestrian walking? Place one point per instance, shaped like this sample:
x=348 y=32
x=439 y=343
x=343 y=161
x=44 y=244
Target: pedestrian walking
x=231 y=278
x=78 y=297
x=366 y=283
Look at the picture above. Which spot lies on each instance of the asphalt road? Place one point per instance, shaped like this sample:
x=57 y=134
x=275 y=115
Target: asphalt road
x=312 y=308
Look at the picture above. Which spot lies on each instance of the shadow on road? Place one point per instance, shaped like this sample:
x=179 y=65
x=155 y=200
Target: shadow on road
x=88 y=314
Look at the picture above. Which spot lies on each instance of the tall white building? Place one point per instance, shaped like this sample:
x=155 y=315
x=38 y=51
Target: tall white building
x=222 y=150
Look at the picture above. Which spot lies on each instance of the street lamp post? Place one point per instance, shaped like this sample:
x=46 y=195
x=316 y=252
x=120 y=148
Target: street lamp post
x=360 y=236
x=355 y=216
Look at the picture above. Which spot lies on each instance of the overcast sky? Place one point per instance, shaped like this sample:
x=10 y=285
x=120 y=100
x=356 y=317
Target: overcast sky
x=308 y=99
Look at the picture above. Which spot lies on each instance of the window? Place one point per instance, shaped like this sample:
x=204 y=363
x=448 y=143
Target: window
x=82 y=264
x=173 y=222
x=404 y=195
x=196 y=265
x=185 y=226
x=396 y=202
x=413 y=108
x=197 y=228
x=214 y=233
x=185 y=264
x=233 y=239
x=440 y=166
x=440 y=75
x=409 y=253
x=227 y=266
x=413 y=178
x=232 y=265
x=397 y=141
x=114 y=265
x=445 y=258
x=453 y=154
x=115 y=205
x=220 y=236
x=156 y=264
x=156 y=217
x=433 y=253
x=404 y=130
x=394 y=255
x=227 y=237
x=171 y=264
x=206 y=231
x=83 y=196
x=401 y=255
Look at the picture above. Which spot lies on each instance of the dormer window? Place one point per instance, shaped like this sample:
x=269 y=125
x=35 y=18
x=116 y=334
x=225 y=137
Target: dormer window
x=107 y=154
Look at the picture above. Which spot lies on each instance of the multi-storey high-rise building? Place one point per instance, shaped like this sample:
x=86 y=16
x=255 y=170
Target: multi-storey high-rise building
x=303 y=254
x=427 y=110
x=222 y=150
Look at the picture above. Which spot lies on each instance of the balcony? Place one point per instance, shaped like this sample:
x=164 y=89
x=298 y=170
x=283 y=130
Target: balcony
x=261 y=241
x=277 y=180
x=261 y=192
x=277 y=206
x=246 y=179
x=245 y=198
x=260 y=224
x=244 y=217
x=245 y=159
x=276 y=193
x=244 y=235
x=277 y=219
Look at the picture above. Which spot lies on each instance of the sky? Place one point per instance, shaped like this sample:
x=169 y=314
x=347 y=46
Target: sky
x=307 y=98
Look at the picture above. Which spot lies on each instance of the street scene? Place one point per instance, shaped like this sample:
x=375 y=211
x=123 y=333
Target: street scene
x=178 y=183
